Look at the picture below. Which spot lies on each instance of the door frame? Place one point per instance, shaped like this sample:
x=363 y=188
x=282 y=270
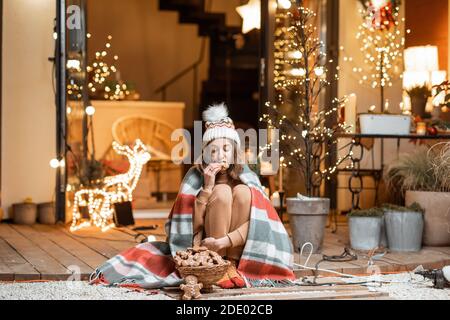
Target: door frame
x=1 y=95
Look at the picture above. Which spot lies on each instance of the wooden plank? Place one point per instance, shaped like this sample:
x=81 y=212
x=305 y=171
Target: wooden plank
x=11 y=260
x=219 y=292
x=78 y=249
x=48 y=267
x=378 y=266
x=444 y=250
x=348 y=267
x=93 y=242
x=411 y=260
x=313 y=296
x=289 y=293
x=54 y=250
x=118 y=240
x=6 y=273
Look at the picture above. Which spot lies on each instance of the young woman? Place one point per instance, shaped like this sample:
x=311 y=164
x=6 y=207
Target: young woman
x=221 y=205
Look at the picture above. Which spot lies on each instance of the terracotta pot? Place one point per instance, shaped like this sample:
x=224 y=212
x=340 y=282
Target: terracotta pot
x=436 y=218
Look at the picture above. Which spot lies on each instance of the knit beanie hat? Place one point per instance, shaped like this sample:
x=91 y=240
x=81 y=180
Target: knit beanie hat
x=219 y=125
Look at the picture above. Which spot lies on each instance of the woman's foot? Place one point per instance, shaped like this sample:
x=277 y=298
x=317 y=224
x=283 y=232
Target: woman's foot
x=234 y=276
x=231 y=279
x=225 y=282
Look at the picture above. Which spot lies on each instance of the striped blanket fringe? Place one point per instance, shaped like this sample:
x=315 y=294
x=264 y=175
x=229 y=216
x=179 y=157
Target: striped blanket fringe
x=269 y=283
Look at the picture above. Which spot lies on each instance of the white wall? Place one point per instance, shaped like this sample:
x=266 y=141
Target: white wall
x=28 y=123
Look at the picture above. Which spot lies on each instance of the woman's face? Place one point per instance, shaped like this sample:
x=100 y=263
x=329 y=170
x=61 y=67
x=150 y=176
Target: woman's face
x=219 y=150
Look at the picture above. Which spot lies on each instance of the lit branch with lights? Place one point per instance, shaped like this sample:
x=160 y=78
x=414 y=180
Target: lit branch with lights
x=382 y=44
x=101 y=81
x=300 y=77
x=104 y=80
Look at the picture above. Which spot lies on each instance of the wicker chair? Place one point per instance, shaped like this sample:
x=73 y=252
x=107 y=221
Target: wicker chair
x=156 y=135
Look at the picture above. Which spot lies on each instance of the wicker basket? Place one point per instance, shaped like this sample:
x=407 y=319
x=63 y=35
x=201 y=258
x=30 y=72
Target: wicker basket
x=205 y=275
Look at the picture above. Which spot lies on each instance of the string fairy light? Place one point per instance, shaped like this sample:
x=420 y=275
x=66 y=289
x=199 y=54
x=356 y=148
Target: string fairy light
x=103 y=76
x=381 y=45
x=115 y=189
x=300 y=75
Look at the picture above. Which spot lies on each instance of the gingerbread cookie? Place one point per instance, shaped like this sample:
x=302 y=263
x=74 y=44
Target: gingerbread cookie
x=191 y=288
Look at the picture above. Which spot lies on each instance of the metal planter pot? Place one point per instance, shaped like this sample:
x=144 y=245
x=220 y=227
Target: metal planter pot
x=404 y=230
x=308 y=218
x=365 y=232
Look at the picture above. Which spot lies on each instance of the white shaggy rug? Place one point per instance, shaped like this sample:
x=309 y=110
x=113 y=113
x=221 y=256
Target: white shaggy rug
x=403 y=286
x=70 y=290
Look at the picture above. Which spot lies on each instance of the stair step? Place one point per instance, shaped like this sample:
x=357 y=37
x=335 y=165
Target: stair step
x=210 y=90
x=202 y=18
x=236 y=75
x=206 y=30
x=237 y=63
x=182 y=5
x=242 y=68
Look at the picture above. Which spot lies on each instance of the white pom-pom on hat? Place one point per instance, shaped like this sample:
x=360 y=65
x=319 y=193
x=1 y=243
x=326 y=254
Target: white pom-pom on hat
x=215 y=112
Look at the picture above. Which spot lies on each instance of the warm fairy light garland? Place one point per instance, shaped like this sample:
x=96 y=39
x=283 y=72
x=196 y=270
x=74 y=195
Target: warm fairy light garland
x=300 y=74
x=382 y=45
x=99 y=73
x=115 y=189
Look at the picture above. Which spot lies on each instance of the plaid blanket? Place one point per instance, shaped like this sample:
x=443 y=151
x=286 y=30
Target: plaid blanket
x=266 y=260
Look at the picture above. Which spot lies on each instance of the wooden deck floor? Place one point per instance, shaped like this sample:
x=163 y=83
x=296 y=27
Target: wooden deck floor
x=41 y=252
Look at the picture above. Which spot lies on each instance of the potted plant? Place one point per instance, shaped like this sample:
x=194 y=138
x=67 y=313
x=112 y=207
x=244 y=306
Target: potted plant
x=424 y=177
x=419 y=96
x=365 y=228
x=442 y=95
x=404 y=227
x=306 y=134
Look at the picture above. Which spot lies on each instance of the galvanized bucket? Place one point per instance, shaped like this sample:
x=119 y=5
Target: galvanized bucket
x=365 y=232
x=308 y=218
x=404 y=230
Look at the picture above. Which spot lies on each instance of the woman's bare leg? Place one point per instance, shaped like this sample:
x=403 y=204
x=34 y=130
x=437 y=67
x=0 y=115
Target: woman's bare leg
x=218 y=213
x=240 y=214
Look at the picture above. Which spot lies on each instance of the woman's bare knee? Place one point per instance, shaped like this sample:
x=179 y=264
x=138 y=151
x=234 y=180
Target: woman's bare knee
x=222 y=193
x=242 y=194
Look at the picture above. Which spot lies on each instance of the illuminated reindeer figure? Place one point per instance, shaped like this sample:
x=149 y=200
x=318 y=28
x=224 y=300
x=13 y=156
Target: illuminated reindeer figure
x=118 y=188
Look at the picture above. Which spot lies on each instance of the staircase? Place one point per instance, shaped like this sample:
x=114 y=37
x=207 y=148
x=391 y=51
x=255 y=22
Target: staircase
x=233 y=72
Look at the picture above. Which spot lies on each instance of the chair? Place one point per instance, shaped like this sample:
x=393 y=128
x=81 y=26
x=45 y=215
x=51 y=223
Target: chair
x=156 y=135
